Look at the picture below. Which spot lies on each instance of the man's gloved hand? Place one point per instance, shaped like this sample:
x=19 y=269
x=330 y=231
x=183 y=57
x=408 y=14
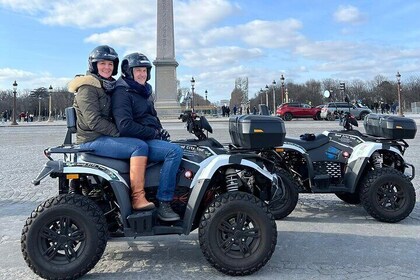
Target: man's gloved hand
x=164 y=134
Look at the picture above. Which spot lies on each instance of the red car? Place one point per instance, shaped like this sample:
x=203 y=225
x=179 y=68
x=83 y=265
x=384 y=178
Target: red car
x=291 y=110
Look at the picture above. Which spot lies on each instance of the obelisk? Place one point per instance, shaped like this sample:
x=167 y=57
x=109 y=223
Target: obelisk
x=165 y=63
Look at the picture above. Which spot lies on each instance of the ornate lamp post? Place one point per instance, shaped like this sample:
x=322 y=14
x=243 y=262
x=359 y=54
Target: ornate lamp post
x=261 y=96
x=39 y=108
x=49 y=105
x=206 y=100
x=274 y=98
x=282 y=88
x=14 y=104
x=192 y=90
x=400 y=113
x=266 y=95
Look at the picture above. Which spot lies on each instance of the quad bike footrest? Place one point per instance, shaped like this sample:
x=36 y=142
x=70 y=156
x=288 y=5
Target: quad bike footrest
x=146 y=223
x=141 y=222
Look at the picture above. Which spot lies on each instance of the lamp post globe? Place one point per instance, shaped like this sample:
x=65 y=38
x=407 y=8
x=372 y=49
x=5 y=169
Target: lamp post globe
x=14 y=104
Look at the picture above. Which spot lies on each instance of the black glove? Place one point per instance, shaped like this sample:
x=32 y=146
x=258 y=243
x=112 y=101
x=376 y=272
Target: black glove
x=164 y=135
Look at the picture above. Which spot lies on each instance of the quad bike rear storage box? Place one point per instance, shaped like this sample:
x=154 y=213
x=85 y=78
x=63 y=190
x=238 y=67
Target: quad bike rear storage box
x=390 y=127
x=256 y=131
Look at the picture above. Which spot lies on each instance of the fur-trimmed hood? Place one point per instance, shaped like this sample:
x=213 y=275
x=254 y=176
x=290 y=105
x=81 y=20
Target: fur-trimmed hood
x=87 y=80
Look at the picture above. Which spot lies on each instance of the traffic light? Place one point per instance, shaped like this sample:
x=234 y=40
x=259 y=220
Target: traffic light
x=342 y=87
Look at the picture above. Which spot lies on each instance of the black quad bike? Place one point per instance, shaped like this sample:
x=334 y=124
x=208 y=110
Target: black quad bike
x=225 y=193
x=358 y=168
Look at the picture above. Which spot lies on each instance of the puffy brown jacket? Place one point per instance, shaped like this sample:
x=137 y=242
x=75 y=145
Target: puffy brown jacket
x=93 y=109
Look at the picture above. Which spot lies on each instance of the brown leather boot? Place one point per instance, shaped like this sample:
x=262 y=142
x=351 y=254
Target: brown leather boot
x=137 y=173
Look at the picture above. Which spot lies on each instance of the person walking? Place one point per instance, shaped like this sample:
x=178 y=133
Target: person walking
x=95 y=127
x=135 y=116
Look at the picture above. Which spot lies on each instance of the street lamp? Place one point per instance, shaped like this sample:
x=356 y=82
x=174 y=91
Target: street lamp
x=39 y=107
x=399 y=94
x=261 y=95
x=49 y=105
x=205 y=110
x=14 y=104
x=266 y=95
x=282 y=88
x=274 y=98
x=192 y=90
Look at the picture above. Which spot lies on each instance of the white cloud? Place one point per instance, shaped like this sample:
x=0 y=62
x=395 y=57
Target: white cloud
x=29 y=80
x=258 y=33
x=30 y=7
x=129 y=38
x=223 y=56
x=348 y=14
x=199 y=14
x=94 y=14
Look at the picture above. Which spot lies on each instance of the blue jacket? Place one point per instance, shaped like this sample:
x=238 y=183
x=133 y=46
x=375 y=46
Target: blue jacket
x=134 y=111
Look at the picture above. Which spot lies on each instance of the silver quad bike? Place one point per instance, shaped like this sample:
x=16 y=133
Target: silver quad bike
x=224 y=192
x=359 y=168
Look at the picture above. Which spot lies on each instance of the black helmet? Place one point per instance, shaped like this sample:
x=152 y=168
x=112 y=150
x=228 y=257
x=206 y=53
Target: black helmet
x=103 y=53
x=135 y=60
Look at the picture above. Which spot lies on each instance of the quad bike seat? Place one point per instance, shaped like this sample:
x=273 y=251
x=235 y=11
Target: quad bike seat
x=315 y=142
x=122 y=166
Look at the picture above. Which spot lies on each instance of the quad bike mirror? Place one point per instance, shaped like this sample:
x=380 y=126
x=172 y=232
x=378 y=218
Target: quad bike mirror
x=327 y=94
x=205 y=124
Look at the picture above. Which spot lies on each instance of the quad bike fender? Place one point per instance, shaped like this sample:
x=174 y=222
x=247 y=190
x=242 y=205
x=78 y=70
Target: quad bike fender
x=122 y=195
x=366 y=149
x=94 y=169
x=213 y=163
x=193 y=204
x=202 y=180
x=51 y=166
x=118 y=184
x=359 y=160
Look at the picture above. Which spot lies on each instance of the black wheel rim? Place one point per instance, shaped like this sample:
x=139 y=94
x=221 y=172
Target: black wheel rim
x=238 y=236
x=61 y=241
x=390 y=197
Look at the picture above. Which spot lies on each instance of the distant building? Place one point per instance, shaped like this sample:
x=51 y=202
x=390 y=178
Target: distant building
x=225 y=102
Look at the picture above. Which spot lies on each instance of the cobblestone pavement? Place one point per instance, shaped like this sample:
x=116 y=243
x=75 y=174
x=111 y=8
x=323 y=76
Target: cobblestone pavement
x=323 y=238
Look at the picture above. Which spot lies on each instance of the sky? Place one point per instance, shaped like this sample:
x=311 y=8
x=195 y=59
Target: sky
x=44 y=42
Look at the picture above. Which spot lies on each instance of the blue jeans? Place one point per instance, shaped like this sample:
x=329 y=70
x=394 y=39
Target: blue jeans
x=171 y=155
x=117 y=147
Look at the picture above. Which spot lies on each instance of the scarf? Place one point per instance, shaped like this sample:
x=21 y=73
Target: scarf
x=107 y=84
x=144 y=90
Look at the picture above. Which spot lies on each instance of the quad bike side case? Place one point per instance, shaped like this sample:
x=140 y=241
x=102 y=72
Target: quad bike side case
x=390 y=127
x=257 y=131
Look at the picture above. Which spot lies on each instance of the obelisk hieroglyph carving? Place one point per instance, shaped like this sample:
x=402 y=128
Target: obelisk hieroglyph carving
x=165 y=63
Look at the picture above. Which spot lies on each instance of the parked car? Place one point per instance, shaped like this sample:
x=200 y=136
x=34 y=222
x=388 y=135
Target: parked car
x=291 y=110
x=357 y=110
